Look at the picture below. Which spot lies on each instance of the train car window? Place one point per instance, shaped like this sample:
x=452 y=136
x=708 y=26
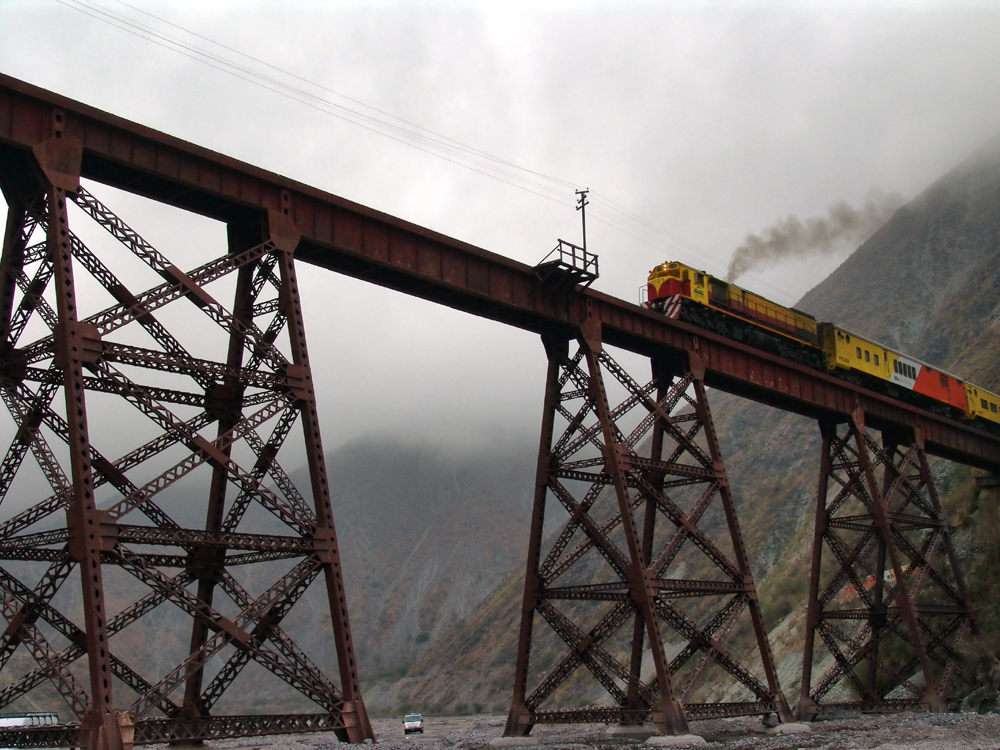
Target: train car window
x=699 y=278
x=867 y=356
x=895 y=366
x=848 y=338
x=993 y=408
x=876 y=359
x=859 y=352
x=984 y=403
x=685 y=276
x=944 y=381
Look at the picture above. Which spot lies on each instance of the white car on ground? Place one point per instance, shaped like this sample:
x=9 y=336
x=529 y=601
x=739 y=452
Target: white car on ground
x=413 y=723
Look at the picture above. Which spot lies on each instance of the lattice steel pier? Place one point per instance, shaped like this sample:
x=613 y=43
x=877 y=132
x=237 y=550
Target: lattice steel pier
x=888 y=604
x=668 y=584
x=213 y=428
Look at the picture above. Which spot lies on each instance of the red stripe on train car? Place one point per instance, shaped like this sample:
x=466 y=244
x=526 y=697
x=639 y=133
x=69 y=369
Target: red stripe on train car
x=941 y=387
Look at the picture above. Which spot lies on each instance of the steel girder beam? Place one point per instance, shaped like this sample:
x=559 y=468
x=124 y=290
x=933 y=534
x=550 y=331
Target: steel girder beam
x=889 y=602
x=651 y=558
x=251 y=398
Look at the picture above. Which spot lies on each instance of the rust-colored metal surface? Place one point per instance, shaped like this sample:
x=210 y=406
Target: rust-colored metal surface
x=652 y=548
x=890 y=602
x=224 y=419
x=233 y=412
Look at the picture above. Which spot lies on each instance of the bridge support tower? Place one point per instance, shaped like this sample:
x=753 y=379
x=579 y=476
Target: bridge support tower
x=887 y=604
x=647 y=589
x=176 y=431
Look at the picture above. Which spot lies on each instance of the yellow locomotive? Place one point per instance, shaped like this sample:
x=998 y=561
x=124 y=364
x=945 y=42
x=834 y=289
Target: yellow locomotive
x=684 y=293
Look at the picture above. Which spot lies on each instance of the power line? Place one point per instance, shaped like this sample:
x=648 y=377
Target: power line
x=426 y=141
x=302 y=97
x=297 y=77
x=605 y=210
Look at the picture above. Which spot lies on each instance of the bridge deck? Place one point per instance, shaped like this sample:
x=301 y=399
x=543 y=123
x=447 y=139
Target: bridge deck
x=352 y=239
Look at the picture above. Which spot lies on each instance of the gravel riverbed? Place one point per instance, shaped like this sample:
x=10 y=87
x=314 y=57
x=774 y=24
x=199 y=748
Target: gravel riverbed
x=857 y=732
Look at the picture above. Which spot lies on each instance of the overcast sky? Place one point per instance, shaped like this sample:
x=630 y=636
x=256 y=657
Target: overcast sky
x=706 y=121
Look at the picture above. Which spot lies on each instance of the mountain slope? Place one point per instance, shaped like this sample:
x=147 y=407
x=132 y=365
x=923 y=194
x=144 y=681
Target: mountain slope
x=424 y=537
x=926 y=281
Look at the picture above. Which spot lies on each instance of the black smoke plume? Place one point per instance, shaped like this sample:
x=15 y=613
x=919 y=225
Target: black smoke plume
x=790 y=237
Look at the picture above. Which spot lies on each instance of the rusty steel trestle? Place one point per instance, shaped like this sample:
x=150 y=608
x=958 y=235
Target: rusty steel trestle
x=253 y=396
x=651 y=560
x=890 y=607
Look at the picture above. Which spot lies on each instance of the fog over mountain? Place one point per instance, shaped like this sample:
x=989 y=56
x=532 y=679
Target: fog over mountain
x=926 y=282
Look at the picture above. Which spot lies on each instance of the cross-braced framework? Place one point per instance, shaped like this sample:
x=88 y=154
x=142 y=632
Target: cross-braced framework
x=889 y=604
x=211 y=433
x=647 y=584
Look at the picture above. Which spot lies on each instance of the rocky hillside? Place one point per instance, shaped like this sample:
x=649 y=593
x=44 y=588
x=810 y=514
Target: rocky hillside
x=425 y=535
x=928 y=283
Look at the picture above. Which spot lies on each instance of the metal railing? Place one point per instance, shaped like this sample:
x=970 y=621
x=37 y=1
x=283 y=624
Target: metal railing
x=570 y=260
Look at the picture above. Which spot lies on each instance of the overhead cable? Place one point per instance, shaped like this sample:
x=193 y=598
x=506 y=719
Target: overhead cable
x=403 y=131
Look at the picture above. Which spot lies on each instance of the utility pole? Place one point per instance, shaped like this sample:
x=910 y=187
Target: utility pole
x=581 y=206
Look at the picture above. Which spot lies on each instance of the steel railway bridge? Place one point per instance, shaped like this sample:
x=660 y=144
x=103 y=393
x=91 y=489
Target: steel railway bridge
x=644 y=596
